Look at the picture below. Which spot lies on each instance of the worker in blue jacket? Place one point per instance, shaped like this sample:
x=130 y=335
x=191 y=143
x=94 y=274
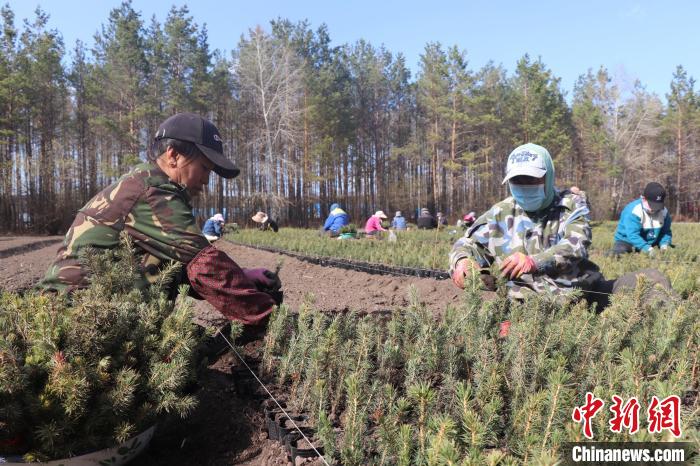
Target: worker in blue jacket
x=644 y=223
x=399 y=221
x=336 y=220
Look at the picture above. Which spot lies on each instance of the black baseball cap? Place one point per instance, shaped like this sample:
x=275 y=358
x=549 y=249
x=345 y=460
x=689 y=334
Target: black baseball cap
x=655 y=194
x=202 y=133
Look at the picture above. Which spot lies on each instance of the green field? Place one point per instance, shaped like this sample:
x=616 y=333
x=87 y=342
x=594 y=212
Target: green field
x=414 y=389
x=429 y=249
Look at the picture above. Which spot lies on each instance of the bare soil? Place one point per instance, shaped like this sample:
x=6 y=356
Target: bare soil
x=11 y=242
x=227 y=427
x=333 y=289
x=22 y=263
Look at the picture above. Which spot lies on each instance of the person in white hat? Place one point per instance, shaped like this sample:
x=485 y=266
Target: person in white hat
x=264 y=222
x=374 y=223
x=539 y=236
x=213 y=228
x=399 y=221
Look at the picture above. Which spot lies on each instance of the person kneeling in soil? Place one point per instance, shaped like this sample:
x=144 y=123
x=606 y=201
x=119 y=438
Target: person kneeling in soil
x=374 y=227
x=336 y=220
x=399 y=222
x=538 y=236
x=264 y=222
x=425 y=221
x=152 y=205
x=213 y=228
x=644 y=224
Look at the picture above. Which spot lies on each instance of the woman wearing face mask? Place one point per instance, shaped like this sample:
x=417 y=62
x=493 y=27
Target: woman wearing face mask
x=538 y=237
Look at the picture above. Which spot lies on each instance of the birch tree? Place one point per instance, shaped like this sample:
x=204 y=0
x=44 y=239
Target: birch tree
x=269 y=78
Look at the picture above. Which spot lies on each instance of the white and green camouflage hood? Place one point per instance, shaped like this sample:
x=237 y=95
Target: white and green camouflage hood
x=533 y=160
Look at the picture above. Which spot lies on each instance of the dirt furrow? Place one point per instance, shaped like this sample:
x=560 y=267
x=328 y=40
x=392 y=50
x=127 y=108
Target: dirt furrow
x=334 y=289
x=227 y=426
x=12 y=245
x=21 y=271
x=328 y=288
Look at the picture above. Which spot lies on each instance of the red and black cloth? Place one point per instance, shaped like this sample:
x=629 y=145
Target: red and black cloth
x=218 y=279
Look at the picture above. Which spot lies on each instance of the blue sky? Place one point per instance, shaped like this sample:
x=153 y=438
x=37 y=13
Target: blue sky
x=642 y=40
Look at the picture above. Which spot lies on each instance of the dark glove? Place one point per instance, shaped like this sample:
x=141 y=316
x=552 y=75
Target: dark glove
x=264 y=280
x=277 y=296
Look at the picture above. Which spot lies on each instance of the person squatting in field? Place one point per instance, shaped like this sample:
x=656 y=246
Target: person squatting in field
x=265 y=223
x=425 y=220
x=374 y=227
x=399 y=222
x=538 y=236
x=152 y=205
x=213 y=227
x=337 y=219
x=644 y=224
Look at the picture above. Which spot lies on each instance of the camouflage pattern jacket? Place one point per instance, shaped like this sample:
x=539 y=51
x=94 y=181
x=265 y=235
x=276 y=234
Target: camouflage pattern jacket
x=154 y=211
x=557 y=238
x=157 y=214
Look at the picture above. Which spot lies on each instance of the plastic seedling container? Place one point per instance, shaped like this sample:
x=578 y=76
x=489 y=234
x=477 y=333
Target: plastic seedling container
x=114 y=456
x=272 y=414
x=298 y=447
x=283 y=429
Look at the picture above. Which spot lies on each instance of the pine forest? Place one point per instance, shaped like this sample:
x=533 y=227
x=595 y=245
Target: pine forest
x=311 y=123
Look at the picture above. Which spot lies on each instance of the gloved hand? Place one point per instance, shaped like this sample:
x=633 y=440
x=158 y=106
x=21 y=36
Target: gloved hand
x=517 y=264
x=277 y=296
x=504 y=329
x=463 y=268
x=264 y=280
x=651 y=252
x=663 y=247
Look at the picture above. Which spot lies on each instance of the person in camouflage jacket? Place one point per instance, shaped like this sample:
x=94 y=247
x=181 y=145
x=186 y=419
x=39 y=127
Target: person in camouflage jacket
x=538 y=237
x=152 y=205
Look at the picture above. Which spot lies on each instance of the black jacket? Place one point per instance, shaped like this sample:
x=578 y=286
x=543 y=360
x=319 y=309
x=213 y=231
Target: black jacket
x=426 y=222
x=268 y=224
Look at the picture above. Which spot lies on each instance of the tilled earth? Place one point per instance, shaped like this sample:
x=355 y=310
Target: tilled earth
x=227 y=427
x=24 y=260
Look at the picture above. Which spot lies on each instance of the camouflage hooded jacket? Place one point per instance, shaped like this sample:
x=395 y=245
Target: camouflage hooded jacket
x=557 y=238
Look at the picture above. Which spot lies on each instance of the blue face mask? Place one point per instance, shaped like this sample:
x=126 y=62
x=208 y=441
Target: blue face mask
x=529 y=197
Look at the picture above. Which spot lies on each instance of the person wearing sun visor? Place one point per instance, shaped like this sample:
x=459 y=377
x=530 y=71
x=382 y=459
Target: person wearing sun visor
x=152 y=204
x=538 y=237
